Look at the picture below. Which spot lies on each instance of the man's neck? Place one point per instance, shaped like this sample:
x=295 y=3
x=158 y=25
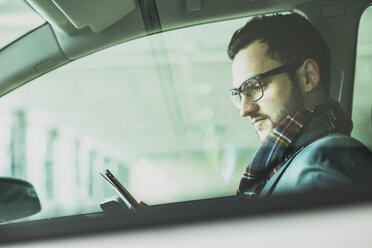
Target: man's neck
x=314 y=98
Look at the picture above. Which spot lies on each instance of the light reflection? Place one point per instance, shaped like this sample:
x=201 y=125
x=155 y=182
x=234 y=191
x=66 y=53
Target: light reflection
x=207 y=113
x=205 y=89
x=229 y=162
x=209 y=129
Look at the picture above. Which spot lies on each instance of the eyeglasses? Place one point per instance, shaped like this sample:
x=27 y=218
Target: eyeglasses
x=252 y=87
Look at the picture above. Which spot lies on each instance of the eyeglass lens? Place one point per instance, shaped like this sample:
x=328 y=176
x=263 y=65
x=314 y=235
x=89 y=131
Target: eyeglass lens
x=251 y=89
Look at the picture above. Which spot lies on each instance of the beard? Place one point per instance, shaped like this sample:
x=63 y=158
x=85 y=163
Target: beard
x=294 y=102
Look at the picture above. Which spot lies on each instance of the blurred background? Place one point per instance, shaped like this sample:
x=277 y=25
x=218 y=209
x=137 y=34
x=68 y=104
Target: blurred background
x=155 y=111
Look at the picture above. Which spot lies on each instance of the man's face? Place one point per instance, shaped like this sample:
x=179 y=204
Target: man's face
x=281 y=96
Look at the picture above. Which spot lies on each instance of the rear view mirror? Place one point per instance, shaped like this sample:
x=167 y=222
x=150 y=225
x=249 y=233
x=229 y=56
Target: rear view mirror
x=18 y=199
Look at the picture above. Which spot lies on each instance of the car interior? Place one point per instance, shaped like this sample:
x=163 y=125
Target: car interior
x=140 y=87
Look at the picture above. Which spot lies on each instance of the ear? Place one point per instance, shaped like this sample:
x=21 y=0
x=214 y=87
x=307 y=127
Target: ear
x=312 y=76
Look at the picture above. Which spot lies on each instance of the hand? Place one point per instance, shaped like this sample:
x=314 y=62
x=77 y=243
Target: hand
x=143 y=204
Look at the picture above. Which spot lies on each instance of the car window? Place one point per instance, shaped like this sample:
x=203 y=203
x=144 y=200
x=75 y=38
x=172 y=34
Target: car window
x=362 y=102
x=16 y=19
x=155 y=111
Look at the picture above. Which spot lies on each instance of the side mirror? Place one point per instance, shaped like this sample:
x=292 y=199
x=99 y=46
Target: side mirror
x=18 y=199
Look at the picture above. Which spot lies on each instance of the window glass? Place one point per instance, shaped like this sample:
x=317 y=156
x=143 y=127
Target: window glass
x=362 y=101
x=16 y=19
x=155 y=111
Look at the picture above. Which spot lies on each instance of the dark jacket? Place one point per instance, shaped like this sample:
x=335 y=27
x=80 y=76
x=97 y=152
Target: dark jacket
x=332 y=161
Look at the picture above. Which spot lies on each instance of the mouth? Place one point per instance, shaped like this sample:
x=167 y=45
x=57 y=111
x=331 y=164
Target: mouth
x=258 y=121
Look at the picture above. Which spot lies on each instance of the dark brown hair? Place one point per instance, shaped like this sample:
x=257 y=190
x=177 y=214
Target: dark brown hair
x=289 y=38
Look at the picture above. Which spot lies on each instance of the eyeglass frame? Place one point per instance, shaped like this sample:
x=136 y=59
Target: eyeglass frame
x=272 y=72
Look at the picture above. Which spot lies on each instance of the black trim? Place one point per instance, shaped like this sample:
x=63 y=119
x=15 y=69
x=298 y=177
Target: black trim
x=168 y=215
x=150 y=16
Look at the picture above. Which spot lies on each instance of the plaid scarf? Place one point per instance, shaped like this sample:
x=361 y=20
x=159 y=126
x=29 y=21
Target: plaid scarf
x=295 y=131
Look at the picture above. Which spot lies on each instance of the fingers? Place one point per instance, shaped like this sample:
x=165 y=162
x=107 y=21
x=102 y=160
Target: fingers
x=142 y=203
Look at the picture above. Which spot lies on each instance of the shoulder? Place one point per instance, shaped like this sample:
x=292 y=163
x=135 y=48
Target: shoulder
x=334 y=150
x=333 y=160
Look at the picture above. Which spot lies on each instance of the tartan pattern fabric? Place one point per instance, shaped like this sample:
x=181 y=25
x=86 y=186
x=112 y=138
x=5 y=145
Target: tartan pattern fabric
x=282 y=142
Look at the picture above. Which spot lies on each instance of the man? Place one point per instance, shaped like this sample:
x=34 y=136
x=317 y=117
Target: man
x=281 y=78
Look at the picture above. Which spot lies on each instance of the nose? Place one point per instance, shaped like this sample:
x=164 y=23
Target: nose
x=248 y=107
